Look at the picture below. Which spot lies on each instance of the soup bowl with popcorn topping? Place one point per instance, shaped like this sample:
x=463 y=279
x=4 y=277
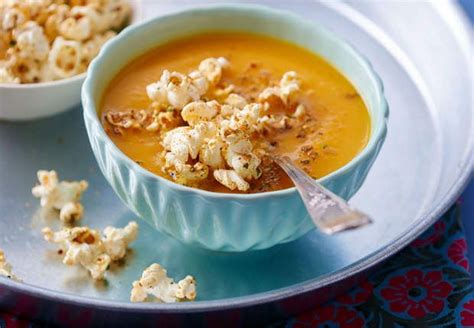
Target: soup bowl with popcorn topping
x=45 y=50
x=164 y=95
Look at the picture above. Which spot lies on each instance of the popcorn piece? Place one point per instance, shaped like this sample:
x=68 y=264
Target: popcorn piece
x=27 y=70
x=12 y=18
x=236 y=100
x=126 y=120
x=71 y=212
x=274 y=122
x=250 y=113
x=186 y=142
x=117 y=12
x=210 y=153
x=90 y=49
x=65 y=58
x=175 y=89
x=95 y=20
x=288 y=86
x=186 y=289
x=7 y=77
x=300 y=111
x=183 y=142
x=77 y=28
x=197 y=111
x=231 y=180
x=6 y=268
x=228 y=110
x=163 y=120
x=116 y=240
x=212 y=68
x=185 y=173
x=31 y=42
x=224 y=92
x=156 y=284
x=63 y=196
x=245 y=165
x=55 y=15
x=83 y=246
x=199 y=81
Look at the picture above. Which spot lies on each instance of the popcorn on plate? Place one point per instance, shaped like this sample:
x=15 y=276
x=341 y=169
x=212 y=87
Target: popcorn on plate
x=63 y=196
x=86 y=246
x=155 y=285
x=6 y=268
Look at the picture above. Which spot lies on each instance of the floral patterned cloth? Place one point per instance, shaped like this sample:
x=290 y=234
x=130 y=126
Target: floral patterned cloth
x=426 y=285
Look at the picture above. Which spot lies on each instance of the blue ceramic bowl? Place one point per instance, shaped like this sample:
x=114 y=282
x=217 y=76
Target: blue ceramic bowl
x=218 y=221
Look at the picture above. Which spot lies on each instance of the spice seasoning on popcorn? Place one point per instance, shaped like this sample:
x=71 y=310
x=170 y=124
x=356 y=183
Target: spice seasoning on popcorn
x=214 y=138
x=86 y=247
x=47 y=40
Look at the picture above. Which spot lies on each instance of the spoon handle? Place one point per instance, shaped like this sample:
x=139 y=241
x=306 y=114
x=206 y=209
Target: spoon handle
x=329 y=212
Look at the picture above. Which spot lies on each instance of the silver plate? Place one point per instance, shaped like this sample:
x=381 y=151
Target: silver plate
x=423 y=166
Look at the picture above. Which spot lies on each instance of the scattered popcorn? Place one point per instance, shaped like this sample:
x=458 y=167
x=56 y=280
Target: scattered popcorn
x=155 y=285
x=85 y=246
x=116 y=240
x=71 y=212
x=60 y=195
x=47 y=40
x=6 y=268
x=186 y=289
x=82 y=246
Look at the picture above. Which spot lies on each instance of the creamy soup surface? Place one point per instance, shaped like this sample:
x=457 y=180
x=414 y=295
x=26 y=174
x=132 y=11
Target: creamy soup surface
x=333 y=130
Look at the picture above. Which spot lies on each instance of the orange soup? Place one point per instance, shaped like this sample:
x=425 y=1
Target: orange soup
x=310 y=111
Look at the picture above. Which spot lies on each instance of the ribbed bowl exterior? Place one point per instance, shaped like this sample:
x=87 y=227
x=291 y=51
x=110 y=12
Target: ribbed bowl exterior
x=217 y=221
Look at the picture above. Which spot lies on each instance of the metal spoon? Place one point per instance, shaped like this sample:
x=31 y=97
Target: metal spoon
x=329 y=212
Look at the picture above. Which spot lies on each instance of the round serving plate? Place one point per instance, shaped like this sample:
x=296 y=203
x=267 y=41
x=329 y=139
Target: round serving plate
x=422 y=168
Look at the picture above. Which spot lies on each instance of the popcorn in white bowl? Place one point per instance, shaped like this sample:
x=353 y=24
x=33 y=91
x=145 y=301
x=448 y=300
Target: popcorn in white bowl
x=39 y=80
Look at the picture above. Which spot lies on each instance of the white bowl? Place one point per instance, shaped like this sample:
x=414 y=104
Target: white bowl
x=21 y=102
